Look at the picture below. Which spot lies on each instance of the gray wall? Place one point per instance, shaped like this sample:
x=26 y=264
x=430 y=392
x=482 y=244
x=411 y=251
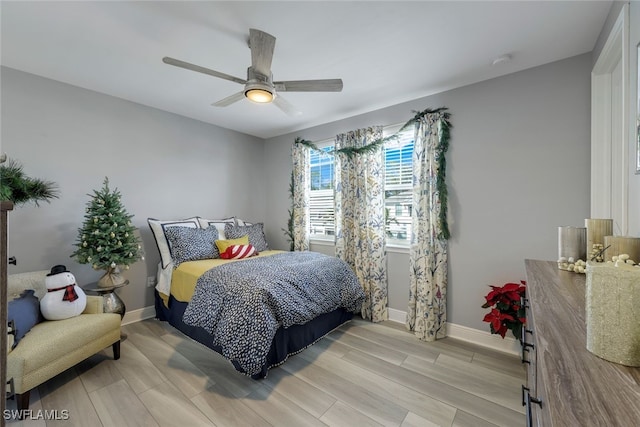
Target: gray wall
x=518 y=167
x=165 y=166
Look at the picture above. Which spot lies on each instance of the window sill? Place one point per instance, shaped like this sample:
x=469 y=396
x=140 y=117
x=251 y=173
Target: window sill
x=322 y=242
x=390 y=247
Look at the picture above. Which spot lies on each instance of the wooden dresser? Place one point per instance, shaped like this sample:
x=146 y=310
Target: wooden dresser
x=5 y=207
x=574 y=386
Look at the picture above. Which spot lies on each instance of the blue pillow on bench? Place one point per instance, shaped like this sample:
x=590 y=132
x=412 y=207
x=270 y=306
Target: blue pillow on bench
x=25 y=313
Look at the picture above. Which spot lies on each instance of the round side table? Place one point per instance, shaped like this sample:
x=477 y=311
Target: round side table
x=111 y=301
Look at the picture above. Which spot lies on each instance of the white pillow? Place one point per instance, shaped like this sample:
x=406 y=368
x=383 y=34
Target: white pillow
x=157 y=229
x=218 y=223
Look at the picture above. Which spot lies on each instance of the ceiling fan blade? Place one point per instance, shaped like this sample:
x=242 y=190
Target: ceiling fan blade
x=229 y=99
x=203 y=70
x=327 y=85
x=286 y=106
x=262 y=46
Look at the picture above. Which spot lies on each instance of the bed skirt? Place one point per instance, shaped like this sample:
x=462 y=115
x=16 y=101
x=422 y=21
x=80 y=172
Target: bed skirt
x=286 y=342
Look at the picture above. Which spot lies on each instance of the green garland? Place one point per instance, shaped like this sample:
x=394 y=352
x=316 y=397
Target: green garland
x=445 y=126
x=441 y=184
x=17 y=187
x=288 y=232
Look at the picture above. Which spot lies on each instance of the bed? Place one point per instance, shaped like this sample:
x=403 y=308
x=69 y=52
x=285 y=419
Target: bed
x=254 y=311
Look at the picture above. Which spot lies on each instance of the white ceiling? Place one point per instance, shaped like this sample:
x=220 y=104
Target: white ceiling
x=385 y=52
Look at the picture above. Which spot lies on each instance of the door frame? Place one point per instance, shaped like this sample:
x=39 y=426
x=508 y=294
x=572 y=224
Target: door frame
x=610 y=188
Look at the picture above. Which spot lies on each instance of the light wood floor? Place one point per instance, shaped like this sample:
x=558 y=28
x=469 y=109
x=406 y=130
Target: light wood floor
x=362 y=374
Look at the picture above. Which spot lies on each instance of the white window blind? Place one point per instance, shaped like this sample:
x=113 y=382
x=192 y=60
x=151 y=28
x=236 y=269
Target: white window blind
x=398 y=188
x=321 y=210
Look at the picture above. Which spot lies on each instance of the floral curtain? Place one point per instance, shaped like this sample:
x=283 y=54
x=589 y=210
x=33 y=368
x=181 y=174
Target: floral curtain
x=359 y=216
x=427 y=313
x=300 y=183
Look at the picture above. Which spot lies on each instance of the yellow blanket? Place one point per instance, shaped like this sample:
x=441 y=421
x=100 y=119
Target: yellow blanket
x=185 y=277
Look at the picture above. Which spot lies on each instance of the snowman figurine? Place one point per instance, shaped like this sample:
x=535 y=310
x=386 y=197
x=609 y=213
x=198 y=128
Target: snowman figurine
x=64 y=299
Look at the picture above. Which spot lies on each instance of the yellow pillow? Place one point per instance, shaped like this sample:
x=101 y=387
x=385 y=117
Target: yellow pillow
x=224 y=244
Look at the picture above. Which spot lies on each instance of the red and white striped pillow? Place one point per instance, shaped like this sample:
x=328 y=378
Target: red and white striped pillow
x=238 y=252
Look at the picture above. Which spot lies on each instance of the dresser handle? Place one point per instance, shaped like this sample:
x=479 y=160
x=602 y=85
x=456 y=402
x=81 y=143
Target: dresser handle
x=527 y=401
x=525 y=349
x=12 y=260
x=11 y=328
x=12 y=390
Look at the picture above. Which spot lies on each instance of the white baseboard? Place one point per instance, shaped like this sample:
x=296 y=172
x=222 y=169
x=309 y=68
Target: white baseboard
x=139 y=314
x=464 y=333
x=397 y=315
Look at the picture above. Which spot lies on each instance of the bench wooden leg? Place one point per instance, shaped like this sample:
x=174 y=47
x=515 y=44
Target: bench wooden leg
x=22 y=401
x=116 y=350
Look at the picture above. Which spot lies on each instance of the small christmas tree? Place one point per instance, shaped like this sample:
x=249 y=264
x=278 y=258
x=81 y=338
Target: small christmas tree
x=106 y=239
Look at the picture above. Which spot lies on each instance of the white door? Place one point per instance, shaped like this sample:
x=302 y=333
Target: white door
x=609 y=144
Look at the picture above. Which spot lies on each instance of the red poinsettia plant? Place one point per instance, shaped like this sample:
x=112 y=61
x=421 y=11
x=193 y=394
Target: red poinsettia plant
x=507 y=312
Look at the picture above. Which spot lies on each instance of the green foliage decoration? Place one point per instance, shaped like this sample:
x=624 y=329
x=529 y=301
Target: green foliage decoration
x=288 y=232
x=106 y=239
x=18 y=188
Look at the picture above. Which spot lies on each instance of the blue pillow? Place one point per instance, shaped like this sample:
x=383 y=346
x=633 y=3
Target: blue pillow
x=25 y=313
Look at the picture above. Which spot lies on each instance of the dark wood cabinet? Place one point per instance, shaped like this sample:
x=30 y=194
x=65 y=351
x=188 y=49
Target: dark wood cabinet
x=573 y=386
x=5 y=207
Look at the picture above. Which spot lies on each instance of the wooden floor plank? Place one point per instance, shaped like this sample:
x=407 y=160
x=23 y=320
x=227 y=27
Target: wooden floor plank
x=278 y=410
x=387 y=353
x=226 y=410
x=340 y=414
x=170 y=408
x=118 y=405
x=305 y=395
x=405 y=343
x=413 y=420
x=464 y=419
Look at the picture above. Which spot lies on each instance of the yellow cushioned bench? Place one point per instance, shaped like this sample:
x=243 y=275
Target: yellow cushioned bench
x=53 y=346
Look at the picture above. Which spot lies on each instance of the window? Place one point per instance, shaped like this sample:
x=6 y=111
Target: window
x=398 y=188
x=321 y=191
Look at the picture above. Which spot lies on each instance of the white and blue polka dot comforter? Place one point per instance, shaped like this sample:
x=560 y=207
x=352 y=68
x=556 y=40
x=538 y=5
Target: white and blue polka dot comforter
x=242 y=304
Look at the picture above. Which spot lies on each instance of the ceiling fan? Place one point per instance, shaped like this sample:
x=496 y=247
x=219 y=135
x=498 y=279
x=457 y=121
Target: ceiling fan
x=259 y=86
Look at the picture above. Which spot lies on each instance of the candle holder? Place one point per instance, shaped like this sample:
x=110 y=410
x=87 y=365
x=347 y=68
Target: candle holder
x=572 y=243
x=597 y=229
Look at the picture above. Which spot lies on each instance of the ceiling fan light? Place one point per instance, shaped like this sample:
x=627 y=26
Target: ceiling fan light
x=260 y=96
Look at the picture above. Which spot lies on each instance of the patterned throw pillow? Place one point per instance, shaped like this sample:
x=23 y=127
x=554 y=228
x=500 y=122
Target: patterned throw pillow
x=224 y=244
x=192 y=244
x=238 y=252
x=254 y=231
